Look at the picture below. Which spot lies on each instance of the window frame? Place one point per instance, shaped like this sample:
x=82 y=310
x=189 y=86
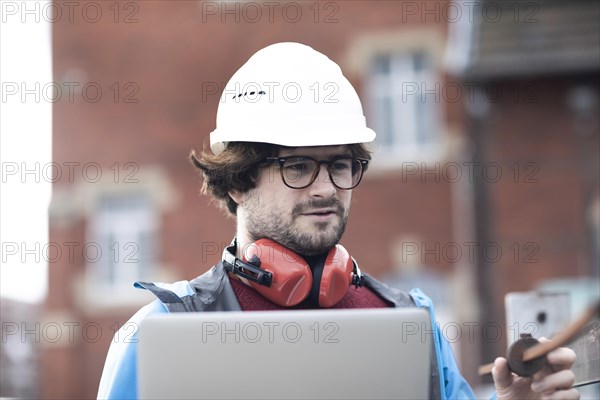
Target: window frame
x=422 y=141
x=117 y=230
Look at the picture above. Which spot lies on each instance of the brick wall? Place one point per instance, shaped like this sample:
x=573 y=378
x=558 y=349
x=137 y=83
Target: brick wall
x=158 y=77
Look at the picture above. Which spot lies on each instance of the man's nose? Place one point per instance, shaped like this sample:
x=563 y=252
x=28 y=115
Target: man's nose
x=322 y=186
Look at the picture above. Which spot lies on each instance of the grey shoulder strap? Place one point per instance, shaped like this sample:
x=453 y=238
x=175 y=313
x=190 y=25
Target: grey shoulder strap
x=170 y=300
x=397 y=298
x=211 y=292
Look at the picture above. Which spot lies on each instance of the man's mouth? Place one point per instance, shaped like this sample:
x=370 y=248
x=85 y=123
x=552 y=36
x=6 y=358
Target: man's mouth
x=321 y=212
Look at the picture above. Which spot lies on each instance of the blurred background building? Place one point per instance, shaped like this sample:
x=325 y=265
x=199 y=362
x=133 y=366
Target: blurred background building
x=484 y=181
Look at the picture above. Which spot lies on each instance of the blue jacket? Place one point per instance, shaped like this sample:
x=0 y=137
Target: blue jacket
x=213 y=292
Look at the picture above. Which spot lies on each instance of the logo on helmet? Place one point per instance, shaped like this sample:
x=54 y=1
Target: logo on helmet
x=252 y=93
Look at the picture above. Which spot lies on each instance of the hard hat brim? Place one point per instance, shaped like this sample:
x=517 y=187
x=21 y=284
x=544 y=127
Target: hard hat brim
x=219 y=138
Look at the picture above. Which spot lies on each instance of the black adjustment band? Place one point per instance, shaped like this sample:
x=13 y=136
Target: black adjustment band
x=358 y=279
x=252 y=272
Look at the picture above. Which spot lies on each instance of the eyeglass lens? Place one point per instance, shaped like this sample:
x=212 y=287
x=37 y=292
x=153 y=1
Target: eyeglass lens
x=298 y=172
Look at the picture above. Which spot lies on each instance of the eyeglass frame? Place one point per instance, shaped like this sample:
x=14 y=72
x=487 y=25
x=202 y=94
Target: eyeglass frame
x=281 y=160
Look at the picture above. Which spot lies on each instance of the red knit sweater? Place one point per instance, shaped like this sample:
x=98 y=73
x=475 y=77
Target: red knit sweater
x=251 y=300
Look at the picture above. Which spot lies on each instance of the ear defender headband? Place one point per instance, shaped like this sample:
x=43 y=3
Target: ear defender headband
x=285 y=278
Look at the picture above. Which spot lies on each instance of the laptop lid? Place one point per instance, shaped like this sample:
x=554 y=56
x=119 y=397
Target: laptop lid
x=313 y=354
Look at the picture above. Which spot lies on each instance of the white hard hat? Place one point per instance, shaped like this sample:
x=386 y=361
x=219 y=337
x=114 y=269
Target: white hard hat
x=291 y=95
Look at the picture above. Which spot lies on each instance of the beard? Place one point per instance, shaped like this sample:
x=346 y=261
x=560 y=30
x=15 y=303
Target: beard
x=265 y=220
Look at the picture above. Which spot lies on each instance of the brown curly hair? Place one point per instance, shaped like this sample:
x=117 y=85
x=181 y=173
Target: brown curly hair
x=237 y=168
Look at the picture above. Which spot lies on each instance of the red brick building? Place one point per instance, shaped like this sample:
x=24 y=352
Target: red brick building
x=145 y=79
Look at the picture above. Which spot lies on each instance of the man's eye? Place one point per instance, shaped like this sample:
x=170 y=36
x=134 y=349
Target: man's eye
x=341 y=165
x=298 y=166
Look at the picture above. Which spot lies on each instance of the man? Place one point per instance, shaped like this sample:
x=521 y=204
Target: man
x=286 y=154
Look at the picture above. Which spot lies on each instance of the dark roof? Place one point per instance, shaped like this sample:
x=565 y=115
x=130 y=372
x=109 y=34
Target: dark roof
x=534 y=37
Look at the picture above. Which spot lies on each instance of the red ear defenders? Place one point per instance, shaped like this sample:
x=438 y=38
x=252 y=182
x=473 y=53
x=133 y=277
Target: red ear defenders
x=285 y=278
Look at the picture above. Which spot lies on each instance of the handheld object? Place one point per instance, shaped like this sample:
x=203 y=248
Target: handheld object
x=527 y=355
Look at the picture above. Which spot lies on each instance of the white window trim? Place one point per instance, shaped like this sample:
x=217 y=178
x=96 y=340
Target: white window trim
x=128 y=264
x=392 y=86
x=77 y=202
x=427 y=40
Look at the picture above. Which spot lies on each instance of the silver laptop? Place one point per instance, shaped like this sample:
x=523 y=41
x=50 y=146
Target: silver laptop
x=315 y=354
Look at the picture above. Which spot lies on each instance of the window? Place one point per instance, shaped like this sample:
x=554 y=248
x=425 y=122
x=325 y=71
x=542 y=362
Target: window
x=123 y=242
x=404 y=99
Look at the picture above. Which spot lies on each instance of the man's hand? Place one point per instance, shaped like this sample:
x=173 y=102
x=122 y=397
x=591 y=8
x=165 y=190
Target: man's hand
x=554 y=381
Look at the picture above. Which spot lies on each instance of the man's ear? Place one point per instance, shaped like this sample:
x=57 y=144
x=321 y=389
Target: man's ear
x=236 y=196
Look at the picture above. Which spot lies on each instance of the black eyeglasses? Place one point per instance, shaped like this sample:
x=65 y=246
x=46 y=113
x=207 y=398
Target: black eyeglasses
x=299 y=172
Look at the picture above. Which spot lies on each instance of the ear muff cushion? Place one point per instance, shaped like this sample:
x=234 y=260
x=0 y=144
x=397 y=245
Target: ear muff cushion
x=292 y=278
x=336 y=278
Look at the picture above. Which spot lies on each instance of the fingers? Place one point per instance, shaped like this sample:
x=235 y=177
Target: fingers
x=571 y=394
x=554 y=381
x=503 y=378
x=560 y=380
x=561 y=358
